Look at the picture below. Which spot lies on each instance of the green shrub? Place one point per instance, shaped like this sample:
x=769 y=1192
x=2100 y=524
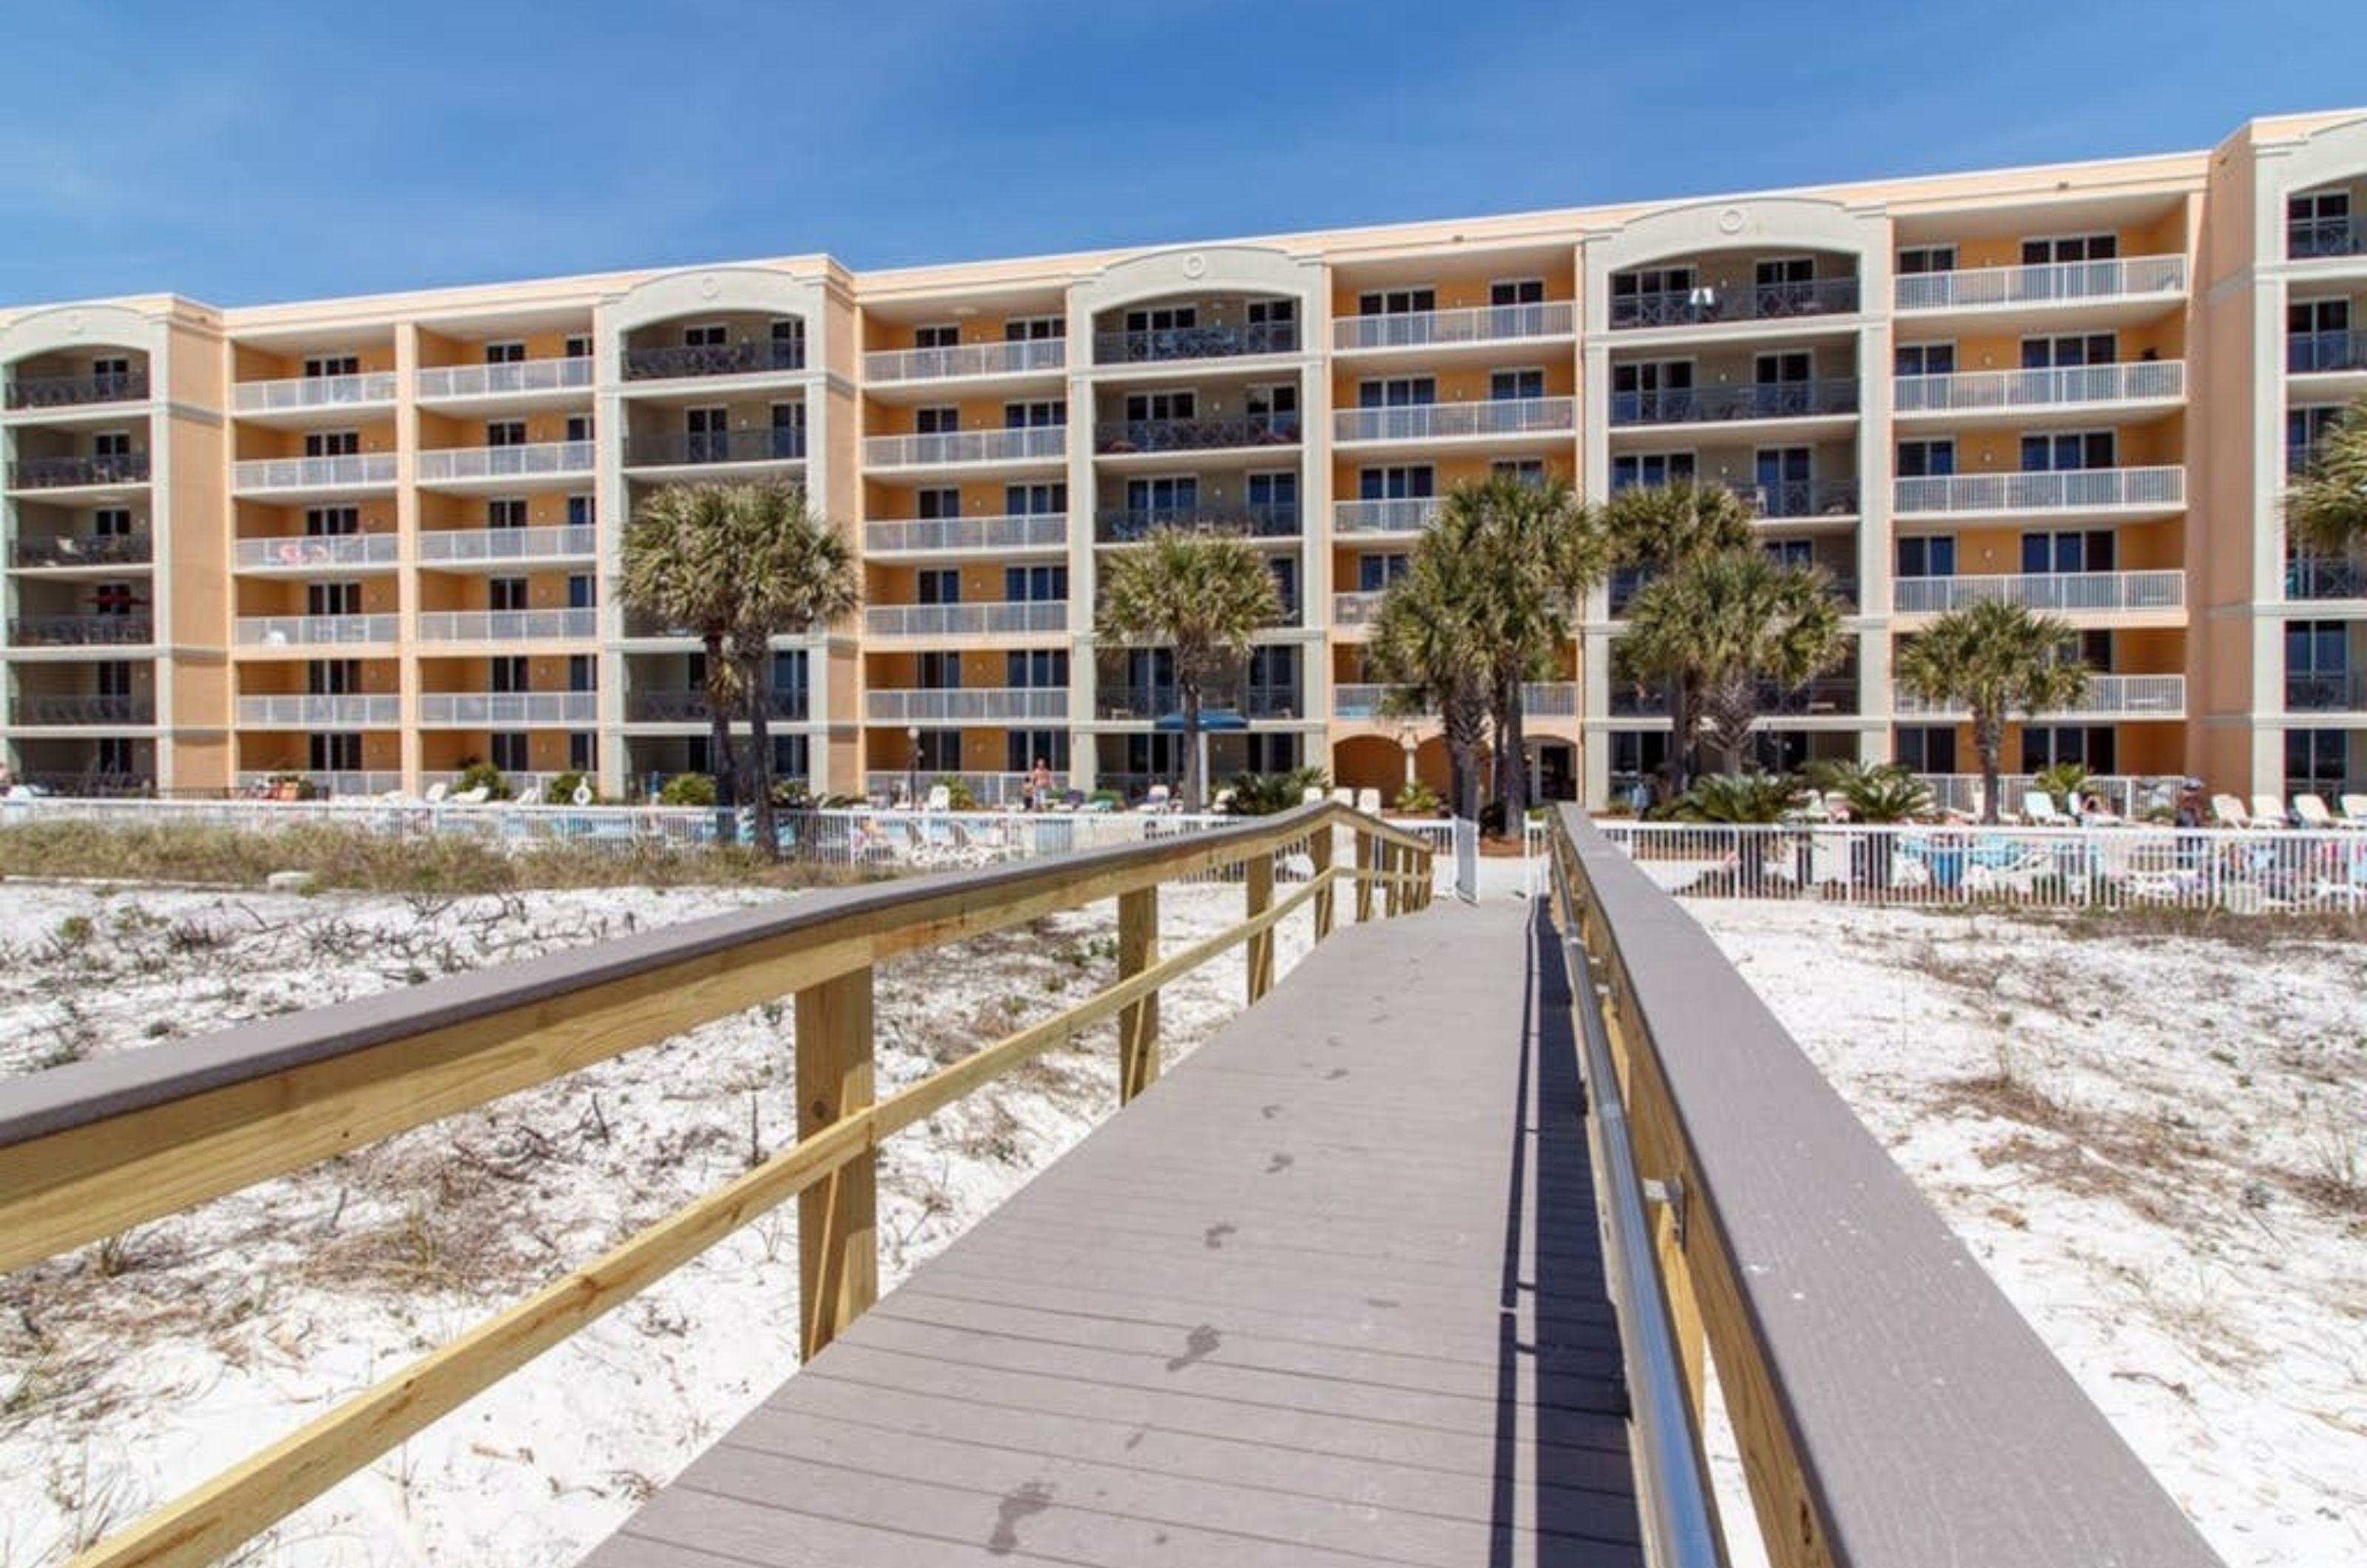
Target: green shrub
x=1418 y=799
x=2063 y=783
x=959 y=796
x=1886 y=792
x=302 y=787
x=477 y=774
x=1738 y=797
x=560 y=791
x=1263 y=794
x=687 y=789
x=1108 y=797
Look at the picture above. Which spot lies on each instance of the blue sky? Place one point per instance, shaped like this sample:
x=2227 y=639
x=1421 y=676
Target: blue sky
x=241 y=153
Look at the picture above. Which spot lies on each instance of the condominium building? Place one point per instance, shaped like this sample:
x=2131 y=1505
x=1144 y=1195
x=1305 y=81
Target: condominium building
x=366 y=540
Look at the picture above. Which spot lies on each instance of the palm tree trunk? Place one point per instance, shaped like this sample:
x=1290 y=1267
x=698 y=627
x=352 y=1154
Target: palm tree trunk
x=757 y=679
x=1516 y=759
x=1193 y=783
x=1988 y=741
x=720 y=765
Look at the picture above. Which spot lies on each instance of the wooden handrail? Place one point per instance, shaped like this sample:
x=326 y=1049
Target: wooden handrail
x=89 y=1149
x=1892 y=1409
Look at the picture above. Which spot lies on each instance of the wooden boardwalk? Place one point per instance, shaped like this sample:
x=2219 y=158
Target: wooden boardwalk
x=1327 y=1294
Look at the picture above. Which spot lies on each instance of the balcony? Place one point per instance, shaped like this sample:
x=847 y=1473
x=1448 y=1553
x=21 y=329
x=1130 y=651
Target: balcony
x=75 y=392
x=310 y=394
x=677 y=450
x=471 y=465
x=36 y=551
x=2325 y=354
x=1450 y=422
x=1743 y=302
x=1000 y=705
x=81 y=631
x=2313 y=239
x=315 y=631
x=2078 y=389
x=2327 y=691
x=1453 y=329
x=475 y=547
x=1195 y=343
x=63 y=473
x=297 y=477
x=2316 y=578
x=1124 y=703
x=328 y=785
x=1037 y=442
x=987 y=789
x=1355 y=609
x=2147 y=491
x=516 y=378
x=682 y=706
x=1019 y=357
x=1749 y=400
x=1401 y=514
x=997 y=618
x=1274 y=520
x=2108 y=696
x=2076 y=593
x=1119 y=436
x=1036 y=531
x=508 y=710
x=2145 y=281
x=317 y=551
x=76 y=712
x=339 y=711
x=1792 y=499
x=508 y=625
x=1366 y=704
x=753 y=356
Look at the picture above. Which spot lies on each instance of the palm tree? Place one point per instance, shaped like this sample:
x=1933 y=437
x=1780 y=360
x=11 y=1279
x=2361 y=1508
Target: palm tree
x=1725 y=626
x=1661 y=529
x=677 y=569
x=1428 y=643
x=2327 y=507
x=1993 y=658
x=1203 y=595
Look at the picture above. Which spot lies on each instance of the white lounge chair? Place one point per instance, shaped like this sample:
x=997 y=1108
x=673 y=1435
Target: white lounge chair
x=1156 y=799
x=941 y=797
x=1311 y=796
x=2355 y=810
x=1345 y=796
x=2228 y=812
x=2038 y=810
x=2268 y=811
x=437 y=792
x=2310 y=812
x=1369 y=801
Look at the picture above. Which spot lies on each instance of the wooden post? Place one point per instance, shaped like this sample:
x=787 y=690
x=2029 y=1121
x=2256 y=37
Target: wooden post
x=1319 y=850
x=1392 y=890
x=1363 y=878
x=1138 y=1023
x=1260 y=946
x=838 y=1251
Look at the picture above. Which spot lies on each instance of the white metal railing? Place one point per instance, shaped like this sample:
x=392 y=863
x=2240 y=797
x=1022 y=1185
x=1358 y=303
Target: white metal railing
x=1539 y=699
x=539 y=460
x=1428 y=421
x=1033 y=442
x=988 y=789
x=501 y=380
x=1000 y=616
x=1404 y=514
x=2057 y=283
x=1967 y=391
x=2126 y=795
x=1355 y=609
x=278 y=631
x=505 y=710
x=2069 y=592
x=1032 y=531
x=1430 y=328
x=985 y=705
x=297 y=550
x=367 y=469
x=507 y=625
x=2108 y=696
x=330 y=783
x=508 y=544
x=2060 y=490
x=312 y=392
x=1012 y=359
x=308 y=712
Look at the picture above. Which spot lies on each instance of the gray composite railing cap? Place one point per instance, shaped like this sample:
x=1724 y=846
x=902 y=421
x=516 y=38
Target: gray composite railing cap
x=82 y=1092
x=1933 y=1425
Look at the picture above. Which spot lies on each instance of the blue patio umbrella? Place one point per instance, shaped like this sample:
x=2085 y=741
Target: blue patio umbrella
x=1211 y=720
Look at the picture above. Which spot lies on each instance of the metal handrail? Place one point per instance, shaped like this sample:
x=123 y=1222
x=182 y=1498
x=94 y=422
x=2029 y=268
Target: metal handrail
x=746 y=357
x=1196 y=342
x=1753 y=400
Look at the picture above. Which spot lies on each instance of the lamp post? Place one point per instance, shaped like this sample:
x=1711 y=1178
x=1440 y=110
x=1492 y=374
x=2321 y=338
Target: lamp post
x=912 y=778
x=1410 y=741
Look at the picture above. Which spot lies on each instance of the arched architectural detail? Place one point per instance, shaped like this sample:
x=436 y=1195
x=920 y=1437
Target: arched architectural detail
x=710 y=290
x=1776 y=223
x=2338 y=152
x=78 y=327
x=1201 y=270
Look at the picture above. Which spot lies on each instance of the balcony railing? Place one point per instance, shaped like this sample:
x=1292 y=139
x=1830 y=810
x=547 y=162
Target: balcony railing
x=2328 y=691
x=764 y=444
x=319 y=711
x=1444 y=329
x=1547 y=699
x=1122 y=702
x=1429 y=422
x=67 y=712
x=2309 y=577
x=504 y=710
x=1801 y=498
x=1029 y=442
x=569 y=373
x=365 y=471
x=1122 y=435
x=1196 y=342
x=1355 y=609
x=2319 y=353
x=1709 y=305
x=1399 y=514
x=507 y=625
x=1763 y=399
x=319 y=550
x=299 y=392
x=751 y=356
x=1017 y=357
x=1970 y=391
x=57 y=473
x=1267 y=520
x=93 y=785
x=81 y=631
x=2069 y=592
x=1834 y=697
x=282 y=631
x=1000 y=705
x=75 y=392
x=987 y=789
x=540 y=459
x=328 y=784
x=455 y=546
x=1034 y=530
x=682 y=707
x=83 y=549
x=2108 y=696
x=2062 y=489
x=998 y=617
x=2056 y=283
x=2314 y=237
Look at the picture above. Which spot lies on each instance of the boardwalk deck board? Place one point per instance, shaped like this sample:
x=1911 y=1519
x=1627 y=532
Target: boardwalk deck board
x=1326 y=1294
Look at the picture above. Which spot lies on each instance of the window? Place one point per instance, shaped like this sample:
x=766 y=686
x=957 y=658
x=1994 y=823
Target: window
x=1785 y=285
x=1285 y=585
x=1152 y=670
x=2044 y=552
x=1927 y=259
x=789 y=675
x=708 y=335
x=1156 y=756
x=1036 y=415
x=335 y=753
x=1036 y=669
x=939 y=750
x=1141 y=406
x=578 y=427
x=938 y=585
x=1786 y=479
x=1926 y=459
x=1035 y=501
x=510 y=353
x=582 y=752
x=1035 y=329
x=941 y=672
x=2318 y=759
x=576 y=347
x=1797 y=554
x=508 y=511
x=114 y=599
x=1411 y=481
x=2070 y=450
x=111 y=444
x=115 y=522
x=332 y=598
x=936 y=420
x=583 y=672
x=1927 y=749
x=505 y=592
x=1022 y=748
x=2069 y=248
x=510 y=673
x=1397 y=302
x=1932 y=556
x=583 y=511
x=2317 y=334
x=1925 y=359
x=1163 y=319
x=932 y=504
x=1505 y=386
x=2045 y=745
x=332 y=443
x=1517 y=292
x=2317 y=224
x=2304 y=428
x=936 y=337
x=579 y=591
x=1272 y=327
x=1650 y=280
x=2316 y=648
x=706 y=434
x=506 y=433
x=1273 y=496
x=1163 y=498
x=333 y=677
x=1277 y=403
x=1272 y=753
x=2066 y=353
x=789 y=331
x=1631 y=469
x=1375 y=572
x=1529 y=471
x=1397 y=392
x=322 y=365
x=512 y=751
x=331 y=522
x=1780 y=383
x=1035 y=585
